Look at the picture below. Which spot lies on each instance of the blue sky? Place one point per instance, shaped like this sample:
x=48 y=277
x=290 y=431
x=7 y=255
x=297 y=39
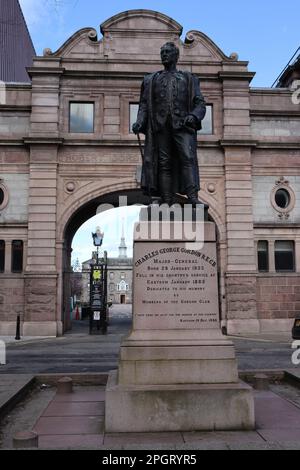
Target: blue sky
x=264 y=32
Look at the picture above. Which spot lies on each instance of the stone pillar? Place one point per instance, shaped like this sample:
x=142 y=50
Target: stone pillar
x=241 y=257
x=177 y=372
x=60 y=287
x=41 y=270
x=8 y=253
x=271 y=246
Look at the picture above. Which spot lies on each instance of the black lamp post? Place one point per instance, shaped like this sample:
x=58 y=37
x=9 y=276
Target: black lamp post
x=98 y=240
x=98 y=286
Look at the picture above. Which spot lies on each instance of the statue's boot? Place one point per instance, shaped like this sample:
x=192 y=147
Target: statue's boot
x=168 y=198
x=193 y=199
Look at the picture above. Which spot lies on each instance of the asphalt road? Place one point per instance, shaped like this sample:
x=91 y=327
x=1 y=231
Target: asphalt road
x=78 y=351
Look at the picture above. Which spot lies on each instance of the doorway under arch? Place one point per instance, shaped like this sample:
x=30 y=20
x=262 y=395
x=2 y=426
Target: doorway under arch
x=88 y=210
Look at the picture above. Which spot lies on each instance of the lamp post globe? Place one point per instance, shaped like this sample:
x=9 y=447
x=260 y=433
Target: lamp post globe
x=98 y=237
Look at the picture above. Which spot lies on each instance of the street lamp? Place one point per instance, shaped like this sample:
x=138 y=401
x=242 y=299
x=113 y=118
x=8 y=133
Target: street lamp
x=98 y=240
x=98 y=286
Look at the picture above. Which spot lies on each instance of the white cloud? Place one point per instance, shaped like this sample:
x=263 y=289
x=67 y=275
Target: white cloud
x=47 y=21
x=111 y=223
x=34 y=11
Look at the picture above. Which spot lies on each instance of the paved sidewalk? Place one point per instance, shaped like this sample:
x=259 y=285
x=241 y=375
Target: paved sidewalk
x=283 y=337
x=25 y=339
x=76 y=421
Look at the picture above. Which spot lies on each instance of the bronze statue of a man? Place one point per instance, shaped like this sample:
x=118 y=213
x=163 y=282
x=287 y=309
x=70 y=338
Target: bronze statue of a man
x=170 y=113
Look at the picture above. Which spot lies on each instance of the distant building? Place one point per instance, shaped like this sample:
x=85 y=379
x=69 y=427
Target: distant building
x=290 y=73
x=119 y=281
x=16 y=47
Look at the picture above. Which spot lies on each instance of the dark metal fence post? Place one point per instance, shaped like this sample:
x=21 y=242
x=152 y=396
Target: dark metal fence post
x=18 y=336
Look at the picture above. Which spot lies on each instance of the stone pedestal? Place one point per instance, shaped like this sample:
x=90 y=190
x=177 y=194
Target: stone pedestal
x=177 y=371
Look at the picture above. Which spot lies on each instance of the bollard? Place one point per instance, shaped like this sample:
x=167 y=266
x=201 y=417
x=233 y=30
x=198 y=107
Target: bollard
x=26 y=440
x=18 y=328
x=65 y=385
x=261 y=382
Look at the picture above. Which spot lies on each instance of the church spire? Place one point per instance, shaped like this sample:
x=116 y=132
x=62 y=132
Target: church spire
x=123 y=247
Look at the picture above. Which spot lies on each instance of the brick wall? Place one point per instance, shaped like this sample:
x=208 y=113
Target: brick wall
x=278 y=297
x=11 y=298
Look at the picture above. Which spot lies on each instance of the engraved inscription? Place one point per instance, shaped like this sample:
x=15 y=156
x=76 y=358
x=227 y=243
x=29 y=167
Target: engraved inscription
x=174 y=287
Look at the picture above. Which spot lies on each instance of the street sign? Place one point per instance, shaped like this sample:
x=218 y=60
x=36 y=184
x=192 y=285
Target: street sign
x=97 y=316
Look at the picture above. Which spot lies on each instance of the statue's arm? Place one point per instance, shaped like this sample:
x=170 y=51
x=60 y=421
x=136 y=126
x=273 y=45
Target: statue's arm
x=199 y=105
x=142 y=117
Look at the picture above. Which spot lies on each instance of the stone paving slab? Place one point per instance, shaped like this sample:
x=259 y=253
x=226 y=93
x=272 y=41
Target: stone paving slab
x=90 y=396
x=230 y=437
x=273 y=412
x=57 y=409
x=281 y=435
x=80 y=441
x=25 y=339
x=120 y=439
x=69 y=425
x=12 y=388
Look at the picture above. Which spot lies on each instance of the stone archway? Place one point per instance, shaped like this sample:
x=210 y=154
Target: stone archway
x=80 y=215
x=86 y=207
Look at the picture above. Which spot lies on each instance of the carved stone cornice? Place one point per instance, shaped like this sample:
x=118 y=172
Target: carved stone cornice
x=236 y=75
x=227 y=142
x=43 y=141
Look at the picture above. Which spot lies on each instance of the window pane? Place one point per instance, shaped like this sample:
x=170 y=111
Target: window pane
x=207 y=123
x=2 y=256
x=284 y=256
x=17 y=256
x=82 y=117
x=263 y=256
x=133 y=109
x=1 y=196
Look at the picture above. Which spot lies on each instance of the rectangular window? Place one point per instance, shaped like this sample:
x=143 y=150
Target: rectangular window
x=284 y=256
x=263 y=256
x=207 y=123
x=2 y=256
x=133 y=112
x=82 y=118
x=17 y=256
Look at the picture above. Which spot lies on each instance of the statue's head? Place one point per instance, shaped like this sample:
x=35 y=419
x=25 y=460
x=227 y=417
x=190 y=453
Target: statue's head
x=169 y=53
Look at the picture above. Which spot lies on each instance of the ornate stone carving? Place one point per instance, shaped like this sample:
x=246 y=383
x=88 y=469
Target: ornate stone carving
x=47 y=51
x=92 y=35
x=70 y=187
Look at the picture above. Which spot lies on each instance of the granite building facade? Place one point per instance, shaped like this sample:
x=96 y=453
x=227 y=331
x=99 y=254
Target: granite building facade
x=66 y=148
